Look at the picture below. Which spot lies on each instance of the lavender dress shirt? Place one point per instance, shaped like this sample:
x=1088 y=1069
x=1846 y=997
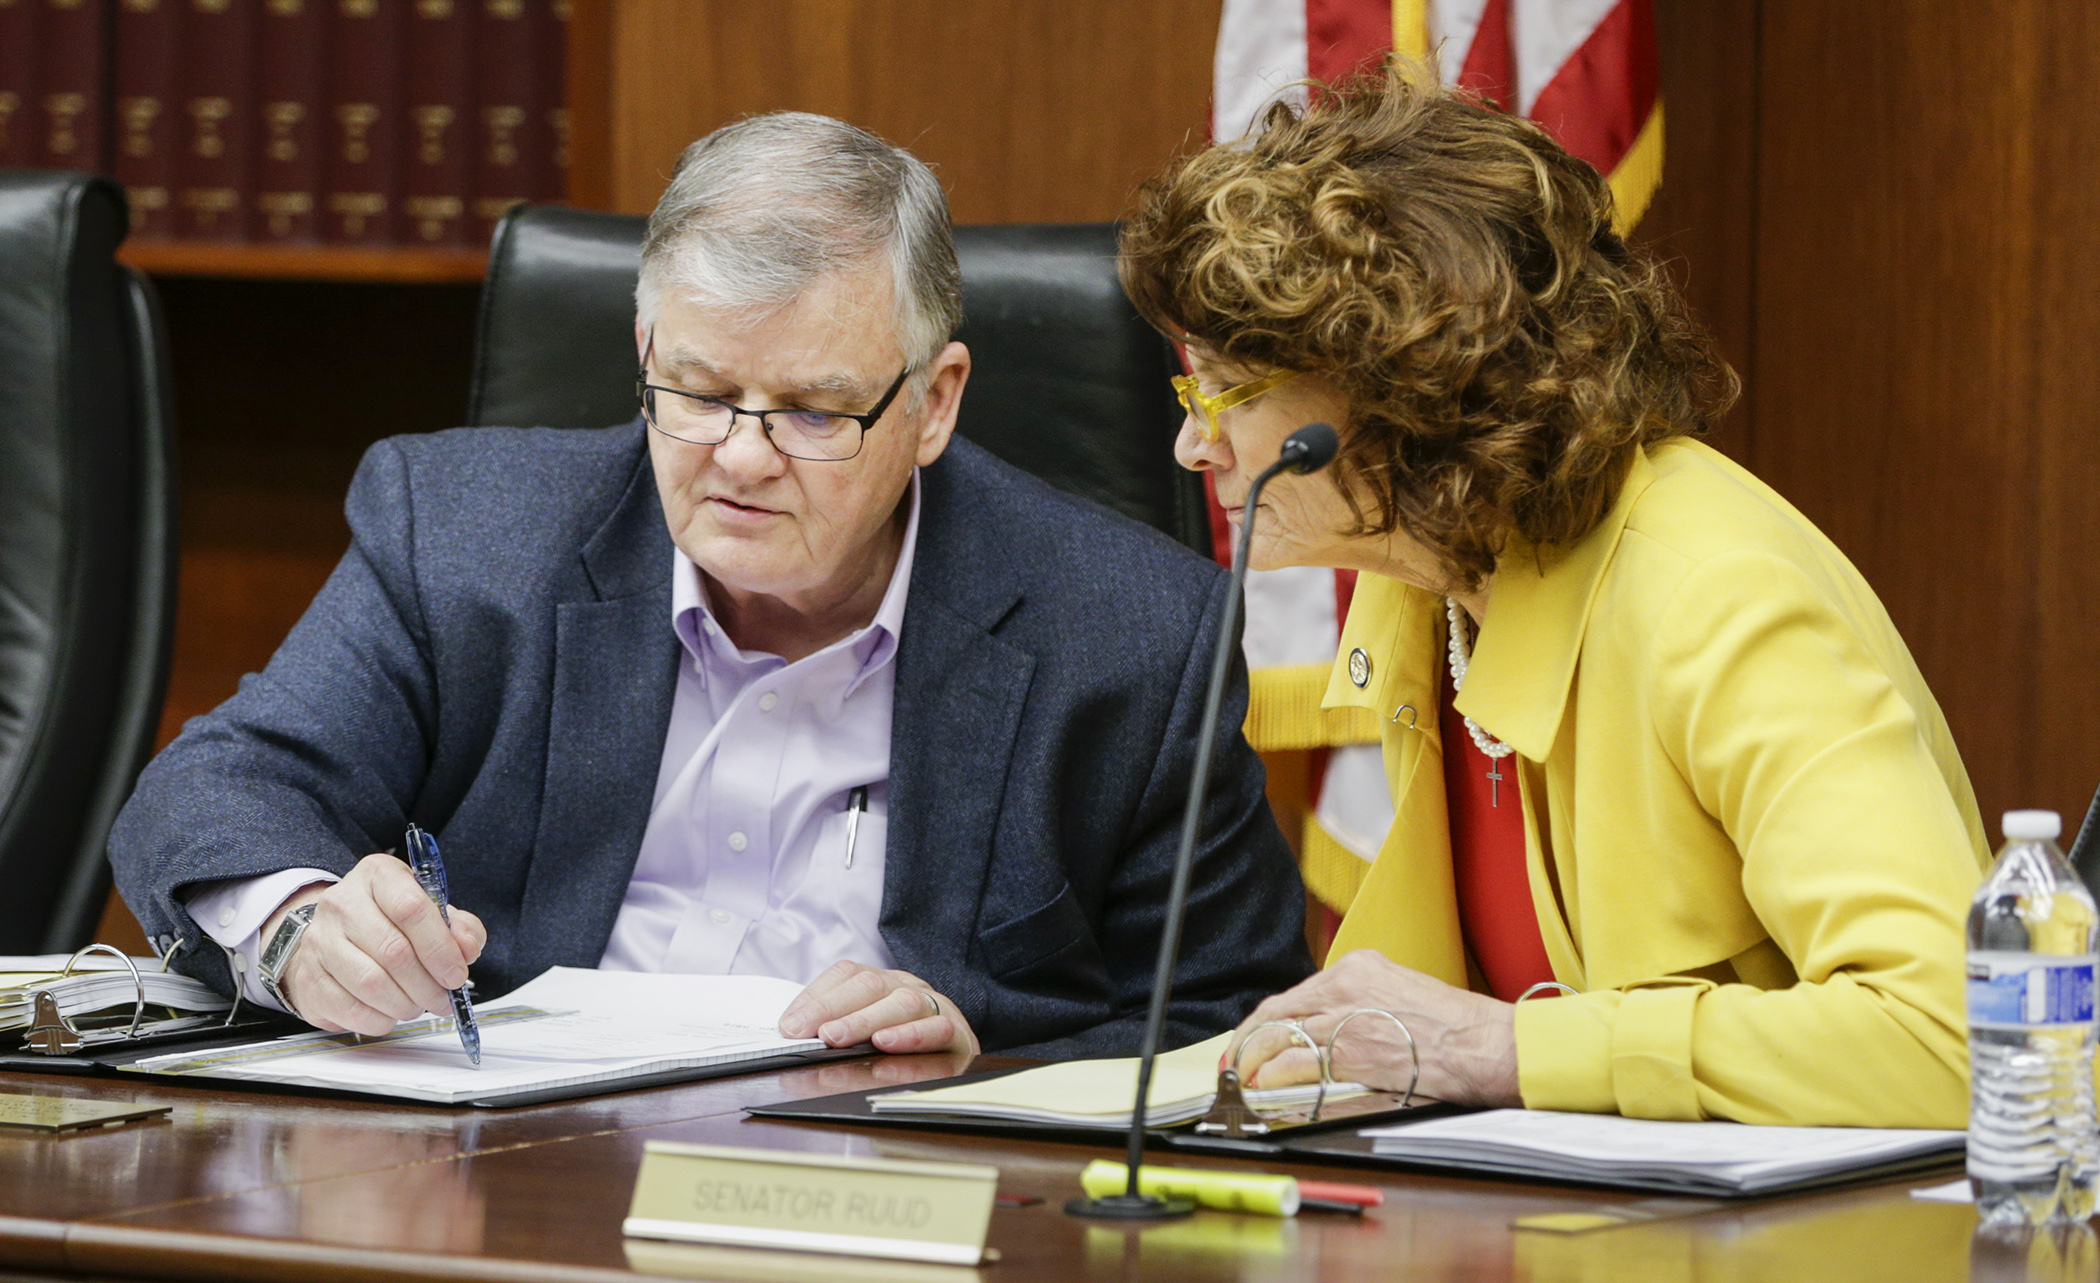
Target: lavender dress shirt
x=743 y=867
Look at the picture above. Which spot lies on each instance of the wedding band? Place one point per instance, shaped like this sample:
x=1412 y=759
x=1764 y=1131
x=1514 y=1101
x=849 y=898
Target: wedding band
x=934 y=1003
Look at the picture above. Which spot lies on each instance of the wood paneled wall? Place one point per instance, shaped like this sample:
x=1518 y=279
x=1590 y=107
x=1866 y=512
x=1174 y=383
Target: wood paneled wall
x=1029 y=110
x=1884 y=213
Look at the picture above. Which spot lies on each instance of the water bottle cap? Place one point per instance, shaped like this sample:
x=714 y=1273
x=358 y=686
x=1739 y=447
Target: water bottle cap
x=2032 y=826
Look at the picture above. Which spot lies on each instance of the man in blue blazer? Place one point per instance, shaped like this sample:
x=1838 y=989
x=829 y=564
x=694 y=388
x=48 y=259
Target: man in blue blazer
x=779 y=678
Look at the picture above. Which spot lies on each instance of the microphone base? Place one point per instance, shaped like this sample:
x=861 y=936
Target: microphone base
x=1128 y=1207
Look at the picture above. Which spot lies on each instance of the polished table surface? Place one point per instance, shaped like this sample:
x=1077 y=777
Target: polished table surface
x=245 y=1185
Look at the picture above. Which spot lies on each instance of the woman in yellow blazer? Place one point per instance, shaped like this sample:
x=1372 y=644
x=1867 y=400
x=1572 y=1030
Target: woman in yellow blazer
x=1748 y=840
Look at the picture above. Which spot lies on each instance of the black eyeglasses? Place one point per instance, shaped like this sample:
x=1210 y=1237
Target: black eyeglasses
x=823 y=435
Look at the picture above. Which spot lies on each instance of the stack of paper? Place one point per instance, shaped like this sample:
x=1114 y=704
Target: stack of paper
x=98 y=983
x=1099 y=1093
x=570 y=1027
x=1704 y=1158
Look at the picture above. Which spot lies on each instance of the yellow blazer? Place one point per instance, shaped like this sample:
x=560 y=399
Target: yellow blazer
x=1751 y=842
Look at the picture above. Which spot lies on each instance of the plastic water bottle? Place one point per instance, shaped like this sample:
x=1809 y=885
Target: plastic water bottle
x=2034 y=1146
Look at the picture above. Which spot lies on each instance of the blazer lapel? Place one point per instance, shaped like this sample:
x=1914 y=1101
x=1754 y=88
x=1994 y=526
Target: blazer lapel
x=615 y=671
x=959 y=695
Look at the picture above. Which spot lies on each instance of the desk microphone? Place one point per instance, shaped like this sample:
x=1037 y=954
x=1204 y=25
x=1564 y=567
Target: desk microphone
x=1309 y=449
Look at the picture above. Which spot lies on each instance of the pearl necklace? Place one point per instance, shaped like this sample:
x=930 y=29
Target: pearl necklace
x=1460 y=662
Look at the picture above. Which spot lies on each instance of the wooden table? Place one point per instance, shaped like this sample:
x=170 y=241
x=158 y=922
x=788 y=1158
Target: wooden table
x=242 y=1185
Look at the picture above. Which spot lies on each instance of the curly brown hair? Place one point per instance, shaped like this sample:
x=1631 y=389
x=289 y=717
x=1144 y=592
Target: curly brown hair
x=1453 y=272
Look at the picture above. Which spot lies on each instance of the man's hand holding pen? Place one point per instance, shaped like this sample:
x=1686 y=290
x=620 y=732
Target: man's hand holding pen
x=378 y=952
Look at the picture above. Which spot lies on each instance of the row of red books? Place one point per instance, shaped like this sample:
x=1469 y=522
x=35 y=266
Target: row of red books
x=350 y=122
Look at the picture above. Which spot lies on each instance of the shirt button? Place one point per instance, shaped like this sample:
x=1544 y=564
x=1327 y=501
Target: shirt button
x=721 y=915
x=766 y=703
x=240 y=963
x=737 y=841
x=226 y=916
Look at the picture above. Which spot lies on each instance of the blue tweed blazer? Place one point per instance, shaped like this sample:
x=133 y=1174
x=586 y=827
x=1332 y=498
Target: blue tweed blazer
x=493 y=659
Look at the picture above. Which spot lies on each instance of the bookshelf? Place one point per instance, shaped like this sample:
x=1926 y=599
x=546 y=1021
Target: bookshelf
x=404 y=265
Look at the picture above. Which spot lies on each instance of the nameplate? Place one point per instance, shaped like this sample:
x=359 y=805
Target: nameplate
x=69 y=1113
x=937 y=1212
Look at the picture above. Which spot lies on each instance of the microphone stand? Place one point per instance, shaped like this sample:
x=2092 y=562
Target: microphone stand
x=1308 y=449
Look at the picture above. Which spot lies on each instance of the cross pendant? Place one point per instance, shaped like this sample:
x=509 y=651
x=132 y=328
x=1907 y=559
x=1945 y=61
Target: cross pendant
x=1494 y=781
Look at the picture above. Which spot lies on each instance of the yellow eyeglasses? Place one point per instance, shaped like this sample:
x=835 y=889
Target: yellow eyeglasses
x=1206 y=409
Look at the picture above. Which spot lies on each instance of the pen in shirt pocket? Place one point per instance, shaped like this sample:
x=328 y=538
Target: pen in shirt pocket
x=856 y=806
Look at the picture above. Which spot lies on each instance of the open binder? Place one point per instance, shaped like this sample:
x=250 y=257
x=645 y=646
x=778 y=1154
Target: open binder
x=78 y=1014
x=1226 y=1120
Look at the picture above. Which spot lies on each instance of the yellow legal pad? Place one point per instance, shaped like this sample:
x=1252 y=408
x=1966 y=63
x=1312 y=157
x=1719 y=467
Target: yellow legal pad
x=68 y=1113
x=1099 y=1093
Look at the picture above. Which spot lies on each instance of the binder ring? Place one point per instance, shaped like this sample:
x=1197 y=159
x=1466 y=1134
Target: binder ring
x=1414 y=1054
x=1298 y=1034
x=1544 y=985
x=138 y=1012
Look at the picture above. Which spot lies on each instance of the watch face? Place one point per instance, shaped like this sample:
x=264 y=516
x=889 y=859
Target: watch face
x=280 y=946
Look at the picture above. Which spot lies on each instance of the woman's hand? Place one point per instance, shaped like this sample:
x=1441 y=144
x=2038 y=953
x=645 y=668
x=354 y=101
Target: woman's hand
x=1467 y=1041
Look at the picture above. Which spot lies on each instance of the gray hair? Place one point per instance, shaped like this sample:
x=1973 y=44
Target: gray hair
x=760 y=208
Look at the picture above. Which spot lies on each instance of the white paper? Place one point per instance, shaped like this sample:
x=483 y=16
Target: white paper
x=1951 y=1192
x=610 y=1025
x=99 y=982
x=1723 y=1156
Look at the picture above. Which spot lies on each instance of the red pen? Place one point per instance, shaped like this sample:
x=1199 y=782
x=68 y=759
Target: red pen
x=1336 y=1192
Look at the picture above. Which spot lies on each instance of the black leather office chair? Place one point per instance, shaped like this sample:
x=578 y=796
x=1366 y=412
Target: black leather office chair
x=87 y=547
x=1066 y=382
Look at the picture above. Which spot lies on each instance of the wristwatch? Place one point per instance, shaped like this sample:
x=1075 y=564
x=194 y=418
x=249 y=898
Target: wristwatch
x=278 y=953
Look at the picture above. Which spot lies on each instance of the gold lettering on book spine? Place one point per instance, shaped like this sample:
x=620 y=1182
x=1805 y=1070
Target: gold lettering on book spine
x=432 y=213
x=503 y=123
x=506 y=9
x=209 y=113
x=286 y=8
x=64 y=110
x=431 y=124
x=360 y=8
x=144 y=201
x=435 y=10
x=280 y=208
x=357 y=119
x=282 y=118
x=355 y=208
x=141 y=6
x=213 y=6
x=137 y=115
x=207 y=203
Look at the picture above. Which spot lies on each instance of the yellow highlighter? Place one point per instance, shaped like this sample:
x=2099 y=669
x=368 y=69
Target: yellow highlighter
x=1223 y=1191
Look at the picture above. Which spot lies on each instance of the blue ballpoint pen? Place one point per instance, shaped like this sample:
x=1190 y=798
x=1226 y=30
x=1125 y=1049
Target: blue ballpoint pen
x=429 y=869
